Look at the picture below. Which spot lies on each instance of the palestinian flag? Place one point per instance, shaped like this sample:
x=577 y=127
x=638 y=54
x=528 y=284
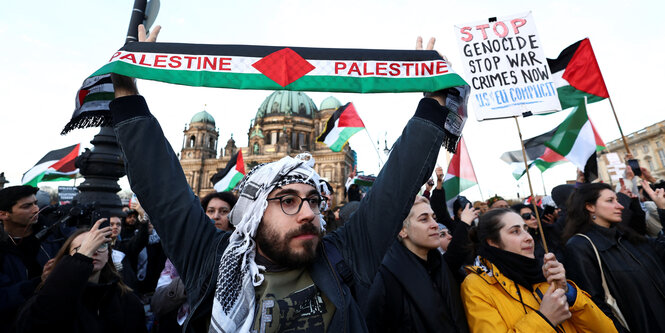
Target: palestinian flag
x=55 y=166
x=577 y=75
x=537 y=154
x=92 y=103
x=231 y=175
x=341 y=126
x=577 y=140
x=460 y=175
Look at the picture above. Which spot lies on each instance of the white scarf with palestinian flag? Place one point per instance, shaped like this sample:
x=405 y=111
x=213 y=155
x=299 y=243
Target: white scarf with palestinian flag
x=266 y=68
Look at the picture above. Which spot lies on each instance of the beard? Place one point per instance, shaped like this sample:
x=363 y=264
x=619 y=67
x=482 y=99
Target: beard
x=277 y=248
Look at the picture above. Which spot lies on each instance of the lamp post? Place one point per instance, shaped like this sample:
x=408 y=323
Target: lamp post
x=104 y=164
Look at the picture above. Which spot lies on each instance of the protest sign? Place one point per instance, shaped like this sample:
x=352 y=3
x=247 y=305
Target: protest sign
x=67 y=194
x=506 y=67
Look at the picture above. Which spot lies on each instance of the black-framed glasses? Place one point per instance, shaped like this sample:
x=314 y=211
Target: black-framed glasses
x=291 y=203
x=528 y=216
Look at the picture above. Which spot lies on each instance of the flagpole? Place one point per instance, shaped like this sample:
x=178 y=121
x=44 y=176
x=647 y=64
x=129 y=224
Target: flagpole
x=533 y=197
x=375 y=149
x=542 y=179
x=474 y=171
x=623 y=137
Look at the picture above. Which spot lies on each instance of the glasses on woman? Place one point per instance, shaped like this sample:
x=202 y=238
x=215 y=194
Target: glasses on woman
x=291 y=203
x=528 y=216
x=102 y=248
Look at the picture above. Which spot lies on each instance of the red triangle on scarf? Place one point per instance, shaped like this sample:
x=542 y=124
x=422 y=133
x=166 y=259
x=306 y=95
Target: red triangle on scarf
x=284 y=66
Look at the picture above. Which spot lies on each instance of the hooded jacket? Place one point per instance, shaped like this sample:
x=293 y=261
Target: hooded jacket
x=494 y=303
x=635 y=275
x=411 y=295
x=195 y=247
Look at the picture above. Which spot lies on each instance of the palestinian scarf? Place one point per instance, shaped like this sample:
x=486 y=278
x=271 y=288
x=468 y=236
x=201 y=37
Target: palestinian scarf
x=233 y=304
x=523 y=270
x=264 y=67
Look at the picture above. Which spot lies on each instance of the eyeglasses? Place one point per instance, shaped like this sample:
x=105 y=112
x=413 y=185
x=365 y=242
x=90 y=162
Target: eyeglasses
x=528 y=216
x=101 y=249
x=291 y=204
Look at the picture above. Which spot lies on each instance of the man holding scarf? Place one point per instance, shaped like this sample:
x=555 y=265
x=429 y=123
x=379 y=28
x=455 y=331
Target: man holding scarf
x=276 y=272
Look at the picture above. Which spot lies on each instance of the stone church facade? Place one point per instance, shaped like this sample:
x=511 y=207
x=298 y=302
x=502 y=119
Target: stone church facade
x=286 y=123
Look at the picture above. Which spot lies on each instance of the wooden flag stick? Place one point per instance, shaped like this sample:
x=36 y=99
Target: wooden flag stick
x=533 y=197
x=625 y=143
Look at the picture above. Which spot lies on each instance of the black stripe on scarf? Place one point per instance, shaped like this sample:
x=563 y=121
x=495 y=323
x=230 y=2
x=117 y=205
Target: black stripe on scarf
x=309 y=53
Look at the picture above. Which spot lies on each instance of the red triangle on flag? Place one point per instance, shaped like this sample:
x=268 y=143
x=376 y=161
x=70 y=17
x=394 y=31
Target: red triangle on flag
x=460 y=165
x=67 y=163
x=240 y=163
x=350 y=117
x=583 y=72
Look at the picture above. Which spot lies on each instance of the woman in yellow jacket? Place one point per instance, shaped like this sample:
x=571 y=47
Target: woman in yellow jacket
x=507 y=291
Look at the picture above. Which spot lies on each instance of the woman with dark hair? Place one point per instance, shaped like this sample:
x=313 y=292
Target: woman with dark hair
x=83 y=292
x=552 y=232
x=632 y=265
x=508 y=291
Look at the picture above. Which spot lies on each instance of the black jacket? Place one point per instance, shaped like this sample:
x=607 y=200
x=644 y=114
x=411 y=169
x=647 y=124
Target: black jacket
x=67 y=302
x=195 y=247
x=17 y=282
x=635 y=274
x=411 y=295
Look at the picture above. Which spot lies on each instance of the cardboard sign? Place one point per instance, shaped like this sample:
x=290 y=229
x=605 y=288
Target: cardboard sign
x=506 y=67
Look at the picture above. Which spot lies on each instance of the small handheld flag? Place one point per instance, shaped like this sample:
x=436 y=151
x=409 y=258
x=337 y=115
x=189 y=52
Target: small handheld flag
x=231 y=175
x=343 y=124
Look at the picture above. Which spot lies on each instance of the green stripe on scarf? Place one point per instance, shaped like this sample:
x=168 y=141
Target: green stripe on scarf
x=305 y=83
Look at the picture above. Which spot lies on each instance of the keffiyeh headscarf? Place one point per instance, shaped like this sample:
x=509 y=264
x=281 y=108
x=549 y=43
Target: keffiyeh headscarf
x=233 y=304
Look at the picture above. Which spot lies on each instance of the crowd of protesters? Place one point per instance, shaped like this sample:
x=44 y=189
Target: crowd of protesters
x=278 y=255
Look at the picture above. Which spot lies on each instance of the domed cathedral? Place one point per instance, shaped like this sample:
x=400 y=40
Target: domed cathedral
x=286 y=123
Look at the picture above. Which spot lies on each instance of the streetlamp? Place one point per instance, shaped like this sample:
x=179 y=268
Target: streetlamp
x=104 y=164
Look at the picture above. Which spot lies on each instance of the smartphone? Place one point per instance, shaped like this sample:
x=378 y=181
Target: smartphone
x=464 y=201
x=100 y=214
x=635 y=166
x=548 y=210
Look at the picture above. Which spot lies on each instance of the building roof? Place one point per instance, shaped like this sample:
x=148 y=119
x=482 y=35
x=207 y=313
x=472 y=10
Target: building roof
x=283 y=102
x=203 y=117
x=330 y=103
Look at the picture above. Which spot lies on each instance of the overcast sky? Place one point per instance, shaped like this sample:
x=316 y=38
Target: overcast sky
x=50 y=47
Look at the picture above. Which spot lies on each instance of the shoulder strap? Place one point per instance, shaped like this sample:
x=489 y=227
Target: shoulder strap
x=343 y=271
x=600 y=265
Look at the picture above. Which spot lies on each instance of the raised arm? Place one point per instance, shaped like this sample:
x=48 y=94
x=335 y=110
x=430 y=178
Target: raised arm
x=156 y=177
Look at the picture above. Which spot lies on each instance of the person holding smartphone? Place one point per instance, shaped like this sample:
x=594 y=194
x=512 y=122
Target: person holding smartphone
x=83 y=292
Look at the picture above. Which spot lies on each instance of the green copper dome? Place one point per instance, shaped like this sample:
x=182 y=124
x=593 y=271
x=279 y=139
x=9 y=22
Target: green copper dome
x=203 y=117
x=330 y=103
x=283 y=102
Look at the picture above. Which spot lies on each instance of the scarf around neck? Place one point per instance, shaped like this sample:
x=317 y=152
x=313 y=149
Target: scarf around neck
x=522 y=270
x=238 y=272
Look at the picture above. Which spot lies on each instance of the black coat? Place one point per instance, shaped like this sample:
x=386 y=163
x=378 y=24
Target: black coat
x=635 y=274
x=408 y=297
x=67 y=302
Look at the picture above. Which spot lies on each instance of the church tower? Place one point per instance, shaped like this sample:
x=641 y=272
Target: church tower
x=200 y=138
